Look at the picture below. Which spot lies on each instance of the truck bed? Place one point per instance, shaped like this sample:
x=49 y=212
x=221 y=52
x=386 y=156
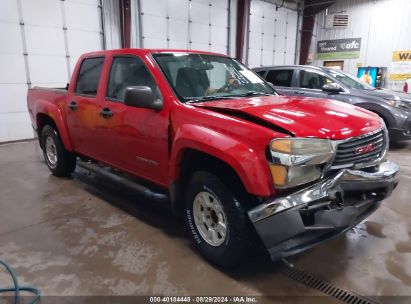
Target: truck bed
x=56 y=90
x=39 y=97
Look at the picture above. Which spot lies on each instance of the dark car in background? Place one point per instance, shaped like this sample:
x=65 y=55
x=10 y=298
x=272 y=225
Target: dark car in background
x=322 y=82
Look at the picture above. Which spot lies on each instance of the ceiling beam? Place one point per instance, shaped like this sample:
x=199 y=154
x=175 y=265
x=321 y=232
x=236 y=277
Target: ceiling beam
x=243 y=9
x=310 y=10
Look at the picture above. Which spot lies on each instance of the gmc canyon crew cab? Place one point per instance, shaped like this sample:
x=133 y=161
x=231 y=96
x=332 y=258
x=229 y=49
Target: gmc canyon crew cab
x=243 y=165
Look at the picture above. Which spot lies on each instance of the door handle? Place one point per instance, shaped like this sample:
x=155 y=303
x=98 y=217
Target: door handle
x=73 y=105
x=298 y=93
x=106 y=113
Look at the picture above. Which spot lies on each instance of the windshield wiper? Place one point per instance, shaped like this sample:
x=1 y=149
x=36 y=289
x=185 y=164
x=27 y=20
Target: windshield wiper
x=207 y=98
x=253 y=93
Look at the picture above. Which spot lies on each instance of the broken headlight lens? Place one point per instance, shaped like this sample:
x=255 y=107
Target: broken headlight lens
x=297 y=161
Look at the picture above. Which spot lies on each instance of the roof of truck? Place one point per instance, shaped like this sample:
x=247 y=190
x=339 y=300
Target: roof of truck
x=272 y=67
x=149 y=51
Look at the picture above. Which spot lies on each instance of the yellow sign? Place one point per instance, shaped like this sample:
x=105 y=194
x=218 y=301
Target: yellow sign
x=399 y=77
x=400 y=66
x=401 y=56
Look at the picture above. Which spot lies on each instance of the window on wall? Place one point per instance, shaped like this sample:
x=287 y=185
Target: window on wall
x=89 y=76
x=126 y=72
x=312 y=80
x=282 y=78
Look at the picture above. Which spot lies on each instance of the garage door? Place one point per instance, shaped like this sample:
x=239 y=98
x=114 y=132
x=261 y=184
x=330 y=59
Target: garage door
x=272 y=34
x=44 y=39
x=13 y=81
x=184 y=24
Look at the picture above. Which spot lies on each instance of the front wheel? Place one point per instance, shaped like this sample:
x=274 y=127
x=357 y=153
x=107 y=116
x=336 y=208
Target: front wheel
x=60 y=161
x=216 y=220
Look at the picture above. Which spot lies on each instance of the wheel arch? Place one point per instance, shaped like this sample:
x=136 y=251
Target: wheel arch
x=248 y=162
x=381 y=111
x=43 y=119
x=193 y=160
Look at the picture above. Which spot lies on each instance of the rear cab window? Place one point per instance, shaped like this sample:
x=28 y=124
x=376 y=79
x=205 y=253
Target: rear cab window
x=89 y=76
x=281 y=78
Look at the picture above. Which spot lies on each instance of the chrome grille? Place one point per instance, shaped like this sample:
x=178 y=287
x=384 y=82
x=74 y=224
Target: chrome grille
x=363 y=149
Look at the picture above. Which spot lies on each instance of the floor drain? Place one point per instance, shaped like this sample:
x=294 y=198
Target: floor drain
x=343 y=295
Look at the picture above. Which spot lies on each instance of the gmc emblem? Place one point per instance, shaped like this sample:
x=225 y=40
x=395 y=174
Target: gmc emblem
x=364 y=149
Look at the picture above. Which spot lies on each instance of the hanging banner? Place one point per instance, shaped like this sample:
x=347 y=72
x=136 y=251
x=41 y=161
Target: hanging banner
x=338 y=49
x=400 y=66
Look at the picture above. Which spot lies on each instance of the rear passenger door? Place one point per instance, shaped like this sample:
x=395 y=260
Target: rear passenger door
x=82 y=108
x=282 y=79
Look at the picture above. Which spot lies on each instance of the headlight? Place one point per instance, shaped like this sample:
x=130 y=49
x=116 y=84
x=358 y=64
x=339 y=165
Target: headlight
x=297 y=161
x=301 y=146
x=398 y=104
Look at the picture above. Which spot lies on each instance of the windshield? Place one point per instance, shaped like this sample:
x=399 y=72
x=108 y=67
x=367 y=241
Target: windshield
x=350 y=81
x=198 y=77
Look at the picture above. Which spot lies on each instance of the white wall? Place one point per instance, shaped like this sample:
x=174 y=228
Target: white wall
x=383 y=25
x=111 y=19
x=272 y=34
x=40 y=43
x=183 y=24
x=13 y=81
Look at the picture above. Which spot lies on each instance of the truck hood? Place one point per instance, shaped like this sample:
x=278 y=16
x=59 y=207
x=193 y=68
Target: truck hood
x=300 y=117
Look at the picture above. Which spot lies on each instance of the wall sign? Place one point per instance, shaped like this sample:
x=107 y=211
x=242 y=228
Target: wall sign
x=400 y=66
x=338 y=49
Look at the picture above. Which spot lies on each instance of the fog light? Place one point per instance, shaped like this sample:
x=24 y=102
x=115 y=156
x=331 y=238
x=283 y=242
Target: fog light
x=279 y=205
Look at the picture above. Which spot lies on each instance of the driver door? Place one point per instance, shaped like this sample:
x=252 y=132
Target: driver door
x=136 y=138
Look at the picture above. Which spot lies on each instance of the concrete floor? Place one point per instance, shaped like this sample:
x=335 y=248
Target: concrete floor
x=84 y=236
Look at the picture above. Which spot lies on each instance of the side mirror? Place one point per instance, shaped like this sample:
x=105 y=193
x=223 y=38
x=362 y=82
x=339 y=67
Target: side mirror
x=332 y=88
x=141 y=97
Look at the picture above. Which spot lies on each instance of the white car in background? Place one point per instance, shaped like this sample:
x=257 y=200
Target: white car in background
x=407 y=86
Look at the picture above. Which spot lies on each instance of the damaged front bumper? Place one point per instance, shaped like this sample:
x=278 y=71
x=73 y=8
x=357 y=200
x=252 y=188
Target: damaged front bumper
x=296 y=222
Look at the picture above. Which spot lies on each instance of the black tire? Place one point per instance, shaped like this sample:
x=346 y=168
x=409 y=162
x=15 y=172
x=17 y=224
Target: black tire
x=233 y=249
x=65 y=162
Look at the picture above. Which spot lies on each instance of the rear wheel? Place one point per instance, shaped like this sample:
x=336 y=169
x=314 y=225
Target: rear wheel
x=60 y=161
x=216 y=220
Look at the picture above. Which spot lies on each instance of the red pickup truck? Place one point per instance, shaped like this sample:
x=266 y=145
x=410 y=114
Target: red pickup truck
x=207 y=134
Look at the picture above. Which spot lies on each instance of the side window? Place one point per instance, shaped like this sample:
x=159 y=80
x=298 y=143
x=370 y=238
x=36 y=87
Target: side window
x=89 y=75
x=312 y=80
x=282 y=78
x=126 y=72
x=261 y=73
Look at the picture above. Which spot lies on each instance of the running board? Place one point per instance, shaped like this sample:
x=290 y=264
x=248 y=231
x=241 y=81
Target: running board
x=107 y=173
